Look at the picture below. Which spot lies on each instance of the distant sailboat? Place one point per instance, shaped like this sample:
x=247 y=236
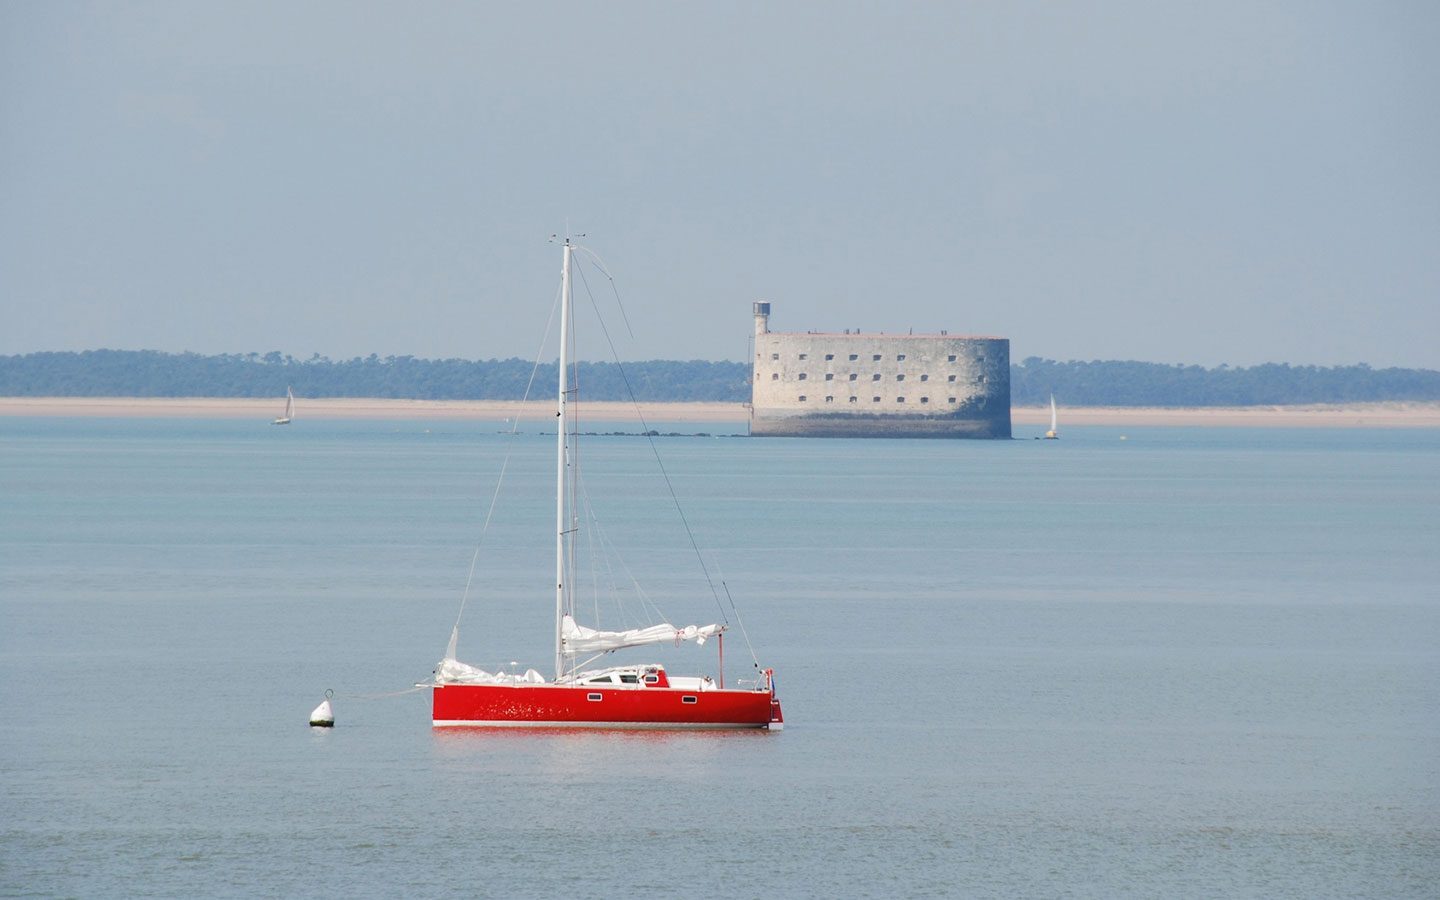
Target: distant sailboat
x=289 y=409
x=1054 y=432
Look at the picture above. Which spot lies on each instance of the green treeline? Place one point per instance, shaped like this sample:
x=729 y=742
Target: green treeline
x=1122 y=383
x=149 y=373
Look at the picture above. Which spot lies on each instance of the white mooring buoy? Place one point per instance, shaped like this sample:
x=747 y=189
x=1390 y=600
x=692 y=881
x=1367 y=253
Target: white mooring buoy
x=323 y=716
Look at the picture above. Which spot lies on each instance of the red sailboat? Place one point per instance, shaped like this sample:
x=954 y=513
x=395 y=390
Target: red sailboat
x=622 y=696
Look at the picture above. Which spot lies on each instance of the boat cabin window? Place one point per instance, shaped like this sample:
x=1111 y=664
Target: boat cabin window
x=627 y=678
x=652 y=678
x=688 y=699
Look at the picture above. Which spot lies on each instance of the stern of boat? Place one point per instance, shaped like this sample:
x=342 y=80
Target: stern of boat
x=777 y=718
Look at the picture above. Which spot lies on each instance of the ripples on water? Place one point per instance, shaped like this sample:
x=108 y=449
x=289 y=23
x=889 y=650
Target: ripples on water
x=1200 y=662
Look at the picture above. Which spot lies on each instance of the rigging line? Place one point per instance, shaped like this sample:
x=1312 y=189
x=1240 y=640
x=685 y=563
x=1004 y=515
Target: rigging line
x=741 y=622
x=649 y=611
x=500 y=480
x=645 y=427
x=600 y=264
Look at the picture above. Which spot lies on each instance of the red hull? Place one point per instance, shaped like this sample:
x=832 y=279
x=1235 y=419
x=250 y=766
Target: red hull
x=569 y=706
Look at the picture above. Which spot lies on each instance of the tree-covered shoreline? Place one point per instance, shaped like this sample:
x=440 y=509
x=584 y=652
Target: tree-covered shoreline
x=150 y=373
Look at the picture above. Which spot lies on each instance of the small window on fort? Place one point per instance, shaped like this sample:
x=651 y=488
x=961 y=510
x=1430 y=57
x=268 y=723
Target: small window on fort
x=952 y=357
x=899 y=399
x=979 y=379
x=853 y=399
x=829 y=356
x=952 y=377
x=952 y=399
x=829 y=376
x=924 y=377
x=829 y=399
x=876 y=357
x=774 y=356
x=854 y=377
x=924 y=399
x=875 y=399
x=804 y=356
x=900 y=377
x=803 y=376
x=854 y=357
x=900 y=358
x=774 y=376
x=802 y=398
x=875 y=377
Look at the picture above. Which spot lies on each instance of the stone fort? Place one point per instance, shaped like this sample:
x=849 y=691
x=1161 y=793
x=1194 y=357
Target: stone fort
x=823 y=384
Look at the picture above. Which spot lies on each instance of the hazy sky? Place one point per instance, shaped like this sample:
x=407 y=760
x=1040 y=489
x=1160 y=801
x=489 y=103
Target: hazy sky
x=1202 y=182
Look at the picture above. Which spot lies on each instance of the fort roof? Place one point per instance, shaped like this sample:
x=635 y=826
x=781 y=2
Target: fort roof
x=870 y=335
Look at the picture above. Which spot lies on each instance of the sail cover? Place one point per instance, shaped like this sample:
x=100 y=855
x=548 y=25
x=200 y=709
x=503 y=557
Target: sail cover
x=577 y=639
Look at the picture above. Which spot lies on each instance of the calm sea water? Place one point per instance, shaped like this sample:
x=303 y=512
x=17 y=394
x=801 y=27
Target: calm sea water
x=1196 y=662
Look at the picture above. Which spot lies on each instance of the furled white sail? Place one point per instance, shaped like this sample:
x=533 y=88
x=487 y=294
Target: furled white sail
x=453 y=671
x=576 y=638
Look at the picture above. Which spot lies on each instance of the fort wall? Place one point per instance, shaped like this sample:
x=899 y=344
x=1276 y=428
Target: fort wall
x=824 y=384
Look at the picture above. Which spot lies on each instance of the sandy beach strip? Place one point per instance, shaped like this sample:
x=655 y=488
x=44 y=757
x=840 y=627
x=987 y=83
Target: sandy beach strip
x=1354 y=415
x=1361 y=415
x=360 y=408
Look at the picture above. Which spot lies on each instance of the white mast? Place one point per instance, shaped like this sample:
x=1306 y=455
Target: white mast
x=560 y=435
